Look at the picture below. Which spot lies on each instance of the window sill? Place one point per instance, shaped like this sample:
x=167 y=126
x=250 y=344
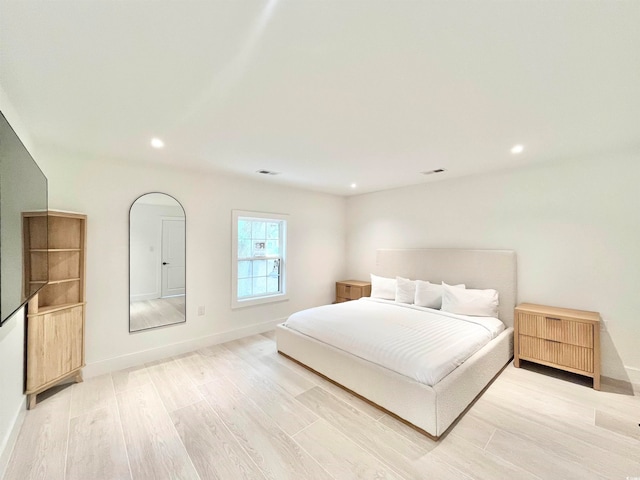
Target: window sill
x=250 y=302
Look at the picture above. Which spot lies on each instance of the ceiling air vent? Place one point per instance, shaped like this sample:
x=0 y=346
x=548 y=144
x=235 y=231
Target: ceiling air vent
x=431 y=172
x=267 y=172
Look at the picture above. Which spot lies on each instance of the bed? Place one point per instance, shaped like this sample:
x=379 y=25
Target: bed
x=431 y=408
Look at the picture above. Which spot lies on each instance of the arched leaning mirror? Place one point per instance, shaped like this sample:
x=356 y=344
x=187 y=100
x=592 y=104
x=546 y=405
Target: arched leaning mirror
x=157 y=240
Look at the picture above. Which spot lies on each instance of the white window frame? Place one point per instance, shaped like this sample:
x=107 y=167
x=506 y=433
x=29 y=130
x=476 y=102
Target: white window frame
x=268 y=298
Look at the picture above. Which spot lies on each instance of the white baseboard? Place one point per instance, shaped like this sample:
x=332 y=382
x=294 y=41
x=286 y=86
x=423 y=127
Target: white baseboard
x=138 y=358
x=6 y=448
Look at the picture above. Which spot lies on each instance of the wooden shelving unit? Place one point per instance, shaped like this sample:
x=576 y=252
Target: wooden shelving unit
x=56 y=314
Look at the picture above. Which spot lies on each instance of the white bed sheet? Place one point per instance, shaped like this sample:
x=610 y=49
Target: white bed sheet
x=420 y=343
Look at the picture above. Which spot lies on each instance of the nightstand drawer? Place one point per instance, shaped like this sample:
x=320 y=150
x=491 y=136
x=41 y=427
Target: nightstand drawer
x=349 y=291
x=556 y=328
x=556 y=353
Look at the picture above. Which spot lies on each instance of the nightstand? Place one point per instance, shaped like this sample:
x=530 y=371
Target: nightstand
x=352 y=290
x=562 y=338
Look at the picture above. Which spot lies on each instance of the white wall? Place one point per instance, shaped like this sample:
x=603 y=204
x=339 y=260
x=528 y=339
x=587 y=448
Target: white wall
x=575 y=226
x=12 y=400
x=105 y=190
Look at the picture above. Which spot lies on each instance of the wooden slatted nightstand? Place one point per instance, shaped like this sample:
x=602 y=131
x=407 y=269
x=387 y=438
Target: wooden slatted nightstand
x=352 y=290
x=562 y=338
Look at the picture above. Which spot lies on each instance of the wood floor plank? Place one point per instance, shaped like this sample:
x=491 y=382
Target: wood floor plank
x=340 y=456
x=251 y=347
x=222 y=362
x=425 y=443
x=475 y=430
x=542 y=403
x=41 y=445
x=393 y=449
x=276 y=453
x=292 y=382
x=330 y=387
x=174 y=386
x=96 y=446
x=542 y=462
x=214 y=450
x=133 y=377
x=561 y=438
x=579 y=427
x=92 y=394
x=197 y=367
x=289 y=414
x=271 y=335
x=433 y=467
x=613 y=400
x=622 y=424
x=154 y=447
x=476 y=462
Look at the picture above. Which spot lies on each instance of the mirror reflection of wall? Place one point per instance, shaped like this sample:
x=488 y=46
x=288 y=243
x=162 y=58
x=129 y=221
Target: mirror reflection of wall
x=157 y=294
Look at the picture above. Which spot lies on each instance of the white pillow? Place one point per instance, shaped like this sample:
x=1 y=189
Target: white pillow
x=479 y=303
x=383 y=287
x=430 y=294
x=405 y=290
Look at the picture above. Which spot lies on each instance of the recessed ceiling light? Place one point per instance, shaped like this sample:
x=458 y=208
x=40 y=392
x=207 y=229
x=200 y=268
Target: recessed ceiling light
x=353 y=185
x=517 y=149
x=157 y=143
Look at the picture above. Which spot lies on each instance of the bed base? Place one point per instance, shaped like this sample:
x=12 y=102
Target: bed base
x=430 y=410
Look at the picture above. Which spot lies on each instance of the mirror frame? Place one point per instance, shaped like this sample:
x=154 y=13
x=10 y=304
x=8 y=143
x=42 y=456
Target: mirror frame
x=129 y=265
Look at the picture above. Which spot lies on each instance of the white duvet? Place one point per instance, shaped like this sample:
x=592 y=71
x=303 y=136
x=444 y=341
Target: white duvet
x=420 y=343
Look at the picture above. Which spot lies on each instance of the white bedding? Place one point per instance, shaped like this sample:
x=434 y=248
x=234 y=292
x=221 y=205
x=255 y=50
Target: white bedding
x=420 y=343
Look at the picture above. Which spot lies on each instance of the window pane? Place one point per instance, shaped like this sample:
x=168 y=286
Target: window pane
x=259 y=285
x=273 y=247
x=244 y=229
x=244 y=248
x=259 y=230
x=259 y=268
x=273 y=230
x=273 y=267
x=259 y=248
x=244 y=287
x=273 y=284
x=244 y=269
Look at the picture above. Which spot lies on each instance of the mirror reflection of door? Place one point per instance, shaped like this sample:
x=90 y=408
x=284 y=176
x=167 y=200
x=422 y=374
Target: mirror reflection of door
x=156 y=262
x=173 y=257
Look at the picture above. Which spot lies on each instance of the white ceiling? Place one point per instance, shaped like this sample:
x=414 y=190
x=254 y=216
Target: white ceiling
x=327 y=92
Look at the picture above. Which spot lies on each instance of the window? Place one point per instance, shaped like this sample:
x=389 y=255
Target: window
x=259 y=258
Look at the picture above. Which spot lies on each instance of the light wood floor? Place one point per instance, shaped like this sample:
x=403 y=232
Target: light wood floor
x=158 y=312
x=241 y=411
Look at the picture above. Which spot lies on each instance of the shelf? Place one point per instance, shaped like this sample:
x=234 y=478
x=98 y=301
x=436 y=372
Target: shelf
x=54 y=250
x=54 y=308
x=64 y=280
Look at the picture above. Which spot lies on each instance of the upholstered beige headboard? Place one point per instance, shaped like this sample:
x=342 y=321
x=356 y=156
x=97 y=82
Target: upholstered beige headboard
x=475 y=268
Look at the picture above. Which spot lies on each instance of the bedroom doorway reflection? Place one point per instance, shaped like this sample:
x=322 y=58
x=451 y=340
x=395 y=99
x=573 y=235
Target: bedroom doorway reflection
x=157 y=266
